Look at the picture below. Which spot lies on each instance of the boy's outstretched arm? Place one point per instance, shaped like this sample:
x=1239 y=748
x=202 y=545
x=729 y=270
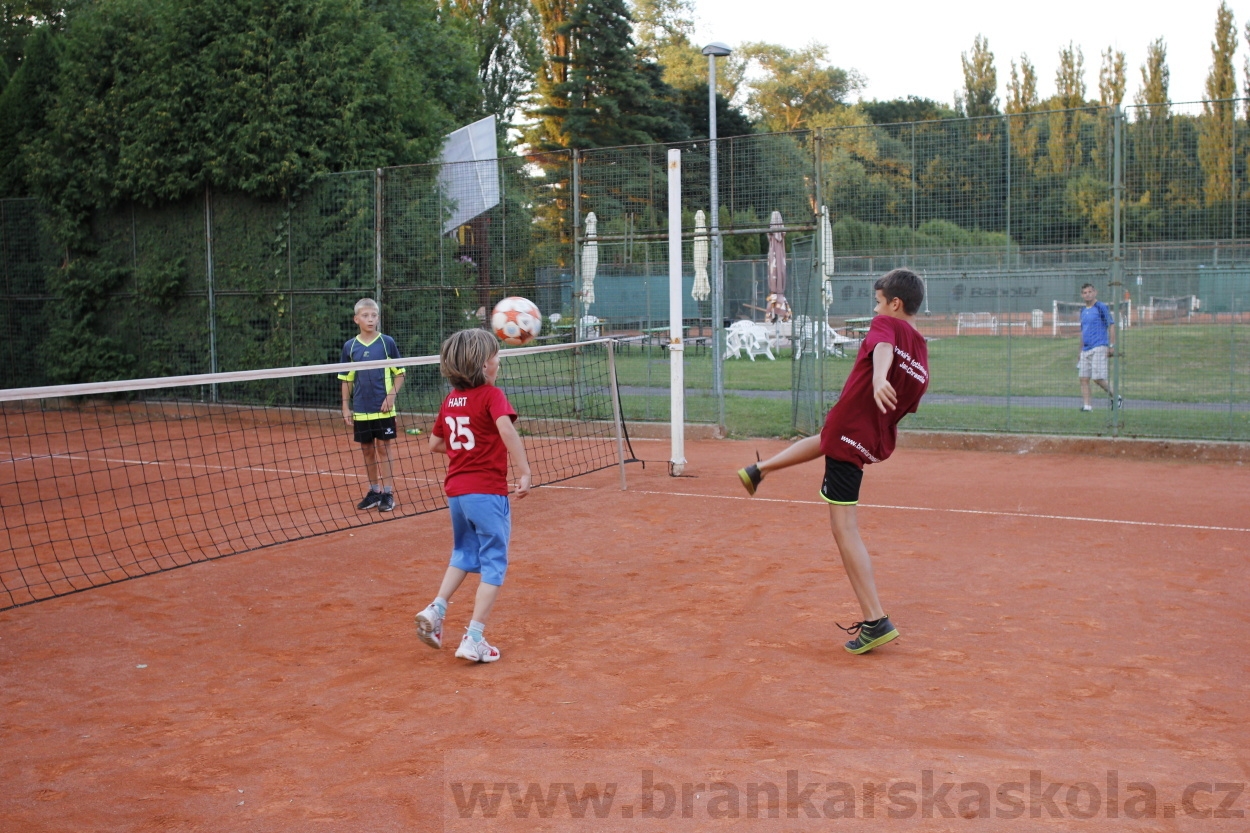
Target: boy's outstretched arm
x=882 y=391
x=516 y=451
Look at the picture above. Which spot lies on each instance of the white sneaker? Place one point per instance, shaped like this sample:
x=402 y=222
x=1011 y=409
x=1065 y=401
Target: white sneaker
x=479 y=651
x=430 y=627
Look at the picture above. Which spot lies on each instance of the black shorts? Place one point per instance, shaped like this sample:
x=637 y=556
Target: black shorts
x=368 y=430
x=842 y=479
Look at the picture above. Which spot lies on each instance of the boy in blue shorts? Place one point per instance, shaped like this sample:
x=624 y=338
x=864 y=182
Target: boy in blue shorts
x=474 y=429
x=369 y=402
x=890 y=375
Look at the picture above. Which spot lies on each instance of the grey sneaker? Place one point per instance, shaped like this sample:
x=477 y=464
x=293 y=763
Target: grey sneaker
x=371 y=500
x=387 y=503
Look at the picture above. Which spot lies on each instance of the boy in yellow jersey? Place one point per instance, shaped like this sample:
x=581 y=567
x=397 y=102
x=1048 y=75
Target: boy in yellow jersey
x=369 y=402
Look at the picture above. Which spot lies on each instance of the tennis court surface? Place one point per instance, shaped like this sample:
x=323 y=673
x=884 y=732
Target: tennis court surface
x=1075 y=653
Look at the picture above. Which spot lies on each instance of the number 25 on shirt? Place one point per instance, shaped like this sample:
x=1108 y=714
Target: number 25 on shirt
x=459 y=434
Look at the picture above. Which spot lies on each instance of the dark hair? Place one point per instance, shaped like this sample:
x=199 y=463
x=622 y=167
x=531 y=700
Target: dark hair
x=463 y=357
x=903 y=284
x=1086 y=286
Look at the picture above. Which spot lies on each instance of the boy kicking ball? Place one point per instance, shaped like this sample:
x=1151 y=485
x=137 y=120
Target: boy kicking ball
x=474 y=429
x=890 y=375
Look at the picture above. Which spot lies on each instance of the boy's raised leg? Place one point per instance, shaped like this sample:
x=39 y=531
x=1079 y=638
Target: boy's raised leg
x=803 y=451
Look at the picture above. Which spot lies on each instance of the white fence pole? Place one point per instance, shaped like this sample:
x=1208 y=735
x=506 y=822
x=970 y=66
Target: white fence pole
x=676 y=344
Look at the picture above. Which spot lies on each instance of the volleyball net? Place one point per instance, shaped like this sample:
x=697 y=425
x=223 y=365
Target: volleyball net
x=105 y=482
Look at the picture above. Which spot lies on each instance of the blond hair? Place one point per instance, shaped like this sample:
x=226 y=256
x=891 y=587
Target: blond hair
x=365 y=303
x=463 y=358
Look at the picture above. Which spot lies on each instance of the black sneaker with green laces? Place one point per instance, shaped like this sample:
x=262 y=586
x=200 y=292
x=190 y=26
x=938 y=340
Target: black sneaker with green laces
x=869 y=635
x=750 y=477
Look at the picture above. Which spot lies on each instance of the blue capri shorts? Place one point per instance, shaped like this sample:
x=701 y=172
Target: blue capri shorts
x=481 y=526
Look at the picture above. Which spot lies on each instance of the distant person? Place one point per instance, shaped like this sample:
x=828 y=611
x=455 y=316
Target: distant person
x=890 y=374
x=474 y=429
x=1097 y=343
x=369 y=402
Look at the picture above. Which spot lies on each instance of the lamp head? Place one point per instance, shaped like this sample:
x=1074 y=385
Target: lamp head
x=717 y=49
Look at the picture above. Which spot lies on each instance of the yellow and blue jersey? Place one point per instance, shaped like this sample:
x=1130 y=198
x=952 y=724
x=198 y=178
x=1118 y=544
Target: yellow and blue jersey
x=370 y=387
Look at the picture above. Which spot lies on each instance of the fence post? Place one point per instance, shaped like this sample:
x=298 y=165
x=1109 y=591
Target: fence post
x=1117 y=261
x=377 y=236
x=212 y=301
x=576 y=298
x=718 y=280
x=817 y=286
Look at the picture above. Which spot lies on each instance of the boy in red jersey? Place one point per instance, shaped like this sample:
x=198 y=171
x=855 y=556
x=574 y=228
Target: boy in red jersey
x=890 y=375
x=474 y=429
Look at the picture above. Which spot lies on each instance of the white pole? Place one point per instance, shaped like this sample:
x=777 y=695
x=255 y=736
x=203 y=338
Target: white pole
x=676 y=345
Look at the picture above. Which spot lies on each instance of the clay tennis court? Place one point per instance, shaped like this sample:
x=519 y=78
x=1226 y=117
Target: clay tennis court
x=1066 y=620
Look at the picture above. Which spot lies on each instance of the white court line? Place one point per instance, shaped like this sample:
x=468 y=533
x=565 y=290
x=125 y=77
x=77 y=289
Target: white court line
x=1030 y=515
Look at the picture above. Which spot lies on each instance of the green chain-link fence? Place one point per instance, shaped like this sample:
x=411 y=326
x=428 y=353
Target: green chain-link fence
x=1005 y=217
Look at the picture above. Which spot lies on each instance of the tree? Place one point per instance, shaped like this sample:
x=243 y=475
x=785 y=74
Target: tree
x=1070 y=78
x=157 y=98
x=664 y=29
x=1022 y=100
x=19 y=20
x=1215 y=129
x=506 y=34
x=912 y=108
x=1152 y=129
x=1111 y=78
x=659 y=23
x=980 y=80
x=1155 y=76
x=609 y=97
x=24 y=104
x=1247 y=71
x=553 y=18
x=797 y=85
x=1063 y=144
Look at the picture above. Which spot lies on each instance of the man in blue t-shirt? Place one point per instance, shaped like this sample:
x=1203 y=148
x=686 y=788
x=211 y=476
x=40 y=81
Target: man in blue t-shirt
x=1097 y=343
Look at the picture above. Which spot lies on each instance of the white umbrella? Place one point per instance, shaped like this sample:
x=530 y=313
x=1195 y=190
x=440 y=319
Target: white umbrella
x=702 y=289
x=826 y=241
x=590 y=260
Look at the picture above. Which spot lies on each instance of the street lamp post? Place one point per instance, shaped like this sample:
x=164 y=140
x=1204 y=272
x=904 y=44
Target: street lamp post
x=715 y=50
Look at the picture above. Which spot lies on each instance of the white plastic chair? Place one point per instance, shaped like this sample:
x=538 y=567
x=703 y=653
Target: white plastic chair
x=749 y=337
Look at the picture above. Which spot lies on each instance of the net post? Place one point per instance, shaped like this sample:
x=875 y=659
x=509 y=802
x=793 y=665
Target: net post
x=616 y=410
x=676 y=344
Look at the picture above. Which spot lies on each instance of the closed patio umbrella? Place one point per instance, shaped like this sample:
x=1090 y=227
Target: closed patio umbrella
x=826 y=242
x=702 y=288
x=778 y=308
x=590 y=260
